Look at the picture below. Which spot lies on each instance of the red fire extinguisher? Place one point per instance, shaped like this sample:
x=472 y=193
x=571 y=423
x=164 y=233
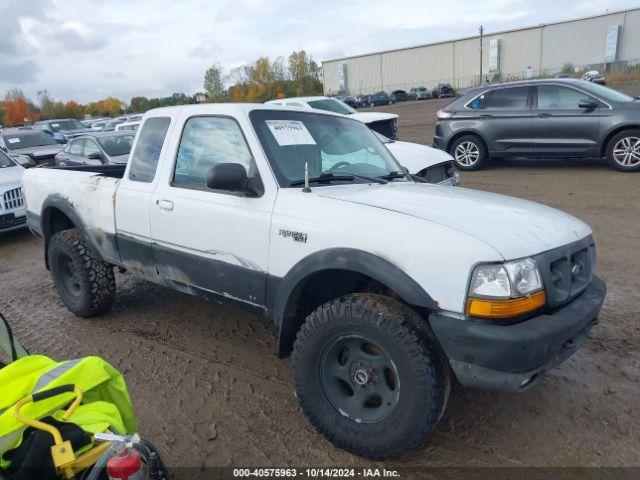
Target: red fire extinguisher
x=126 y=465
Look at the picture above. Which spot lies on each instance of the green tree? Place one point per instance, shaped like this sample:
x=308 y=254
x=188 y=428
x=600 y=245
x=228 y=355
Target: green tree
x=213 y=84
x=568 y=68
x=305 y=74
x=46 y=105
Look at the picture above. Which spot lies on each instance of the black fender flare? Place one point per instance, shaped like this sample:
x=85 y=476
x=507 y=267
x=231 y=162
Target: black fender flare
x=60 y=203
x=358 y=261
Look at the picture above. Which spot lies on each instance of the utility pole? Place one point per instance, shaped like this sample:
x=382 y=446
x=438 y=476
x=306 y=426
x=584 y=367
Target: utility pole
x=481 y=33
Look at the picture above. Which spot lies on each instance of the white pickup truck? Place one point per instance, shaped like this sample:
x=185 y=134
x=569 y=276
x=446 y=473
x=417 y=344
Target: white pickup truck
x=382 y=289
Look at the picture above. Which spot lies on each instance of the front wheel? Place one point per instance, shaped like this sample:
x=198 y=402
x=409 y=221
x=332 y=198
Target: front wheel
x=367 y=377
x=469 y=152
x=86 y=285
x=623 y=151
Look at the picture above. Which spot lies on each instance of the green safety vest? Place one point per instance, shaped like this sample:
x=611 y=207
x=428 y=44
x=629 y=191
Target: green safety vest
x=105 y=402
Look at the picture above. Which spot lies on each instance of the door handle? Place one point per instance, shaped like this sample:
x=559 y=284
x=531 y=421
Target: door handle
x=544 y=115
x=165 y=204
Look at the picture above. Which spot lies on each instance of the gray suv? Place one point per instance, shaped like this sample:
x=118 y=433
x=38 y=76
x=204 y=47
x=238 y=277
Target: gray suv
x=541 y=118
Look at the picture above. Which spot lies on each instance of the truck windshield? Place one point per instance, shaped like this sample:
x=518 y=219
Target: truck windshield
x=332 y=147
x=16 y=141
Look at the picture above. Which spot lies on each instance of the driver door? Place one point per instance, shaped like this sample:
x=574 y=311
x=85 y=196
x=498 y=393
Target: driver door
x=211 y=240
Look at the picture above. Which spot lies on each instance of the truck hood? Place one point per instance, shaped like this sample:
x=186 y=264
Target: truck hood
x=417 y=157
x=10 y=177
x=370 y=117
x=515 y=228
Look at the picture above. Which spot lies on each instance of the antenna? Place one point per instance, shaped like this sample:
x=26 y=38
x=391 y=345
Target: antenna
x=306 y=188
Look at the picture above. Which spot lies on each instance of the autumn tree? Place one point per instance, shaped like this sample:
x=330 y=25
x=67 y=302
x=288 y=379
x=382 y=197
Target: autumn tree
x=139 y=104
x=73 y=110
x=14 y=94
x=213 y=85
x=109 y=106
x=237 y=93
x=18 y=111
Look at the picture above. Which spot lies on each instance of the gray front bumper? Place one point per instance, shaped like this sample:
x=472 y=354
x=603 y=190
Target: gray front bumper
x=512 y=357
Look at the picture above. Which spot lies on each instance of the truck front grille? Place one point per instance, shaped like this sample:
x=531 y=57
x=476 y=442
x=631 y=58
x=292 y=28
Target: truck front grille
x=13 y=199
x=567 y=271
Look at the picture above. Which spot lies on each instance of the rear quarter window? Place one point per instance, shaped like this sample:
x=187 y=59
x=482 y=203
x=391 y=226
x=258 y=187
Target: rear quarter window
x=144 y=160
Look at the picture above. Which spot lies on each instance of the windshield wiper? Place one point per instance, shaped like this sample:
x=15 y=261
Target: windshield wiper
x=330 y=177
x=393 y=175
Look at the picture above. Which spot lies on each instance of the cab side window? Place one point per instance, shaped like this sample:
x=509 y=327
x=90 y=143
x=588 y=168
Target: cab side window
x=206 y=142
x=144 y=160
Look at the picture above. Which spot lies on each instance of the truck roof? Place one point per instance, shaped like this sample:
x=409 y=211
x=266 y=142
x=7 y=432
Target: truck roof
x=229 y=108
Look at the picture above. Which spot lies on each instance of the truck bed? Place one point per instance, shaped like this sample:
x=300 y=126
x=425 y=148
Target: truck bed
x=113 y=171
x=89 y=192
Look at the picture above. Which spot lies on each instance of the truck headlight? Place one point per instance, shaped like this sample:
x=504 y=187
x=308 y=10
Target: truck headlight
x=505 y=290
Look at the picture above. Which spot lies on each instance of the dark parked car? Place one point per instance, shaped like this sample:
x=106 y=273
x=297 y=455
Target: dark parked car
x=443 y=90
x=541 y=118
x=25 y=143
x=100 y=148
x=399 y=96
x=379 y=98
x=62 y=129
x=351 y=101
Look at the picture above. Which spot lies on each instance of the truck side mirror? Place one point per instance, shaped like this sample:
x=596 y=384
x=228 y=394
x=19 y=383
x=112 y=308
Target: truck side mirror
x=227 y=176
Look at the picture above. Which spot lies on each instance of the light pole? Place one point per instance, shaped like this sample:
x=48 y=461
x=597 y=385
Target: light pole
x=481 y=33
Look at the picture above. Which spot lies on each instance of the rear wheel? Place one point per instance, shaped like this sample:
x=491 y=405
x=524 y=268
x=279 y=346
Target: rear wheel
x=367 y=377
x=623 y=151
x=86 y=285
x=469 y=152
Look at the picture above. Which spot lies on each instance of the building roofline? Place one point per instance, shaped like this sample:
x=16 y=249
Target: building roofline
x=471 y=37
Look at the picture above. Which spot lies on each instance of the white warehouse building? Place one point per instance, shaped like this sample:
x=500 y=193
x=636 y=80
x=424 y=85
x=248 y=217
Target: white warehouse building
x=611 y=40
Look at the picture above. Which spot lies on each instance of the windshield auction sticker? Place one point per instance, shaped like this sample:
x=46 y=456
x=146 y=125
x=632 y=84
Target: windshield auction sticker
x=13 y=140
x=290 y=132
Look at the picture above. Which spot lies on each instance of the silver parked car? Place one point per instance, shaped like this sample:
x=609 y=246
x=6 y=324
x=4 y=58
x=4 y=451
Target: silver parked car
x=100 y=148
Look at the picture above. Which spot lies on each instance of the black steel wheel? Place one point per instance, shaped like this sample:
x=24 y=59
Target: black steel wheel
x=369 y=376
x=359 y=379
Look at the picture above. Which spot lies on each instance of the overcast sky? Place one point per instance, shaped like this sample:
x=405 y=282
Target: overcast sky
x=89 y=49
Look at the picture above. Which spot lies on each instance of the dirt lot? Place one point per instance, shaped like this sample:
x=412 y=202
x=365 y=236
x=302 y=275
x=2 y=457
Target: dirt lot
x=209 y=390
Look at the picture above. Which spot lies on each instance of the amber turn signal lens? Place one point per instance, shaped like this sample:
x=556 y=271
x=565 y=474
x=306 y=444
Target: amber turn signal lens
x=505 y=308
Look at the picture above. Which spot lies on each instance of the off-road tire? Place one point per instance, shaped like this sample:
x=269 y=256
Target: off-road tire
x=634 y=133
x=483 y=155
x=94 y=285
x=424 y=380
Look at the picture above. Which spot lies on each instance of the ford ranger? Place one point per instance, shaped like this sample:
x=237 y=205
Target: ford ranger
x=383 y=289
